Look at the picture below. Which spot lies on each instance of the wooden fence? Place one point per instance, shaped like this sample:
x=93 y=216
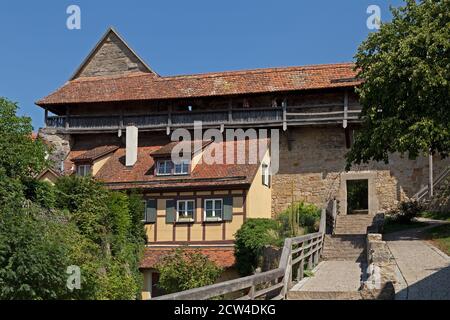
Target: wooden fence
x=298 y=253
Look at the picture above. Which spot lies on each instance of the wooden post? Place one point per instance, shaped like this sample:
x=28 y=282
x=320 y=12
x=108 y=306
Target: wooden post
x=301 y=270
x=301 y=265
x=310 y=258
x=67 y=118
x=345 y=122
x=430 y=175
x=316 y=254
x=230 y=111
x=251 y=293
x=284 y=114
x=169 y=120
x=46 y=117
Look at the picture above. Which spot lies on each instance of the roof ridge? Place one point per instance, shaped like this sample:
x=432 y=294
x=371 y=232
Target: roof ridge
x=216 y=73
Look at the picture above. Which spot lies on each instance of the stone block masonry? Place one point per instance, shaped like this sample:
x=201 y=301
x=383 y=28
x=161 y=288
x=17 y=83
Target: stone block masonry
x=314 y=167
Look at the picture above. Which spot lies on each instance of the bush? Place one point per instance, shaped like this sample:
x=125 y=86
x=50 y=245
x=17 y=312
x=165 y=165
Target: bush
x=251 y=238
x=183 y=270
x=406 y=212
x=303 y=215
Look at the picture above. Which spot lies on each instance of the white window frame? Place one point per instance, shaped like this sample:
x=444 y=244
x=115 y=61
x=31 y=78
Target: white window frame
x=182 y=164
x=158 y=165
x=266 y=174
x=213 y=218
x=185 y=219
x=87 y=170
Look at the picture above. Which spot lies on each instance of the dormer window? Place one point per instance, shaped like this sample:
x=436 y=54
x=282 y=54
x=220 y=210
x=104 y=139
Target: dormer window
x=181 y=168
x=164 y=168
x=168 y=168
x=84 y=170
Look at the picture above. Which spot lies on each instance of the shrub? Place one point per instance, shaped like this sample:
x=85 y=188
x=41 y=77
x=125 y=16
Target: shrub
x=405 y=212
x=183 y=270
x=303 y=215
x=251 y=238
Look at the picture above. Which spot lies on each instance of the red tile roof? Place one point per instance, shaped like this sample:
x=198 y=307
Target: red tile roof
x=95 y=153
x=222 y=256
x=117 y=176
x=144 y=86
x=167 y=149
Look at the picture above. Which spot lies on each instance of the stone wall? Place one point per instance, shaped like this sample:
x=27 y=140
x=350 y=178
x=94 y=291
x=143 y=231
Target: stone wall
x=381 y=271
x=313 y=169
x=60 y=145
x=112 y=57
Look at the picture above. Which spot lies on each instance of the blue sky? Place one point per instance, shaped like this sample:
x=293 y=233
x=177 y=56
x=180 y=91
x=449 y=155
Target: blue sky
x=38 y=53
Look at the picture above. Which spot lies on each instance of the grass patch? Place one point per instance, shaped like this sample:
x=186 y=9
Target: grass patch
x=308 y=273
x=440 y=237
x=394 y=226
x=445 y=216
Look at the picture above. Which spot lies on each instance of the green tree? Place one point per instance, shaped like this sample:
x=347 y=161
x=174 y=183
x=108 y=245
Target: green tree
x=35 y=251
x=107 y=219
x=183 y=270
x=44 y=228
x=251 y=238
x=406 y=89
x=20 y=155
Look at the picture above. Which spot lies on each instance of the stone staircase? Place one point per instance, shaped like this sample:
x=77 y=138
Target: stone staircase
x=344 y=248
x=344 y=263
x=352 y=224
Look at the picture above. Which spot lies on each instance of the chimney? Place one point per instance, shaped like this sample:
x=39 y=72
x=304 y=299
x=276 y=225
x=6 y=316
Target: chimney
x=132 y=146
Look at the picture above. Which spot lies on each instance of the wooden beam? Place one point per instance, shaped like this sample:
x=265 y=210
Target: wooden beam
x=67 y=118
x=284 y=114
x=345 y=122
x=430 y=175
x=45 y=117
x=169 y=120
x=230 y=111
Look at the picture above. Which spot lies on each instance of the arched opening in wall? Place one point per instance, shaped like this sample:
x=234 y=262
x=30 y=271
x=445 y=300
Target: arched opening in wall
x=358 y=196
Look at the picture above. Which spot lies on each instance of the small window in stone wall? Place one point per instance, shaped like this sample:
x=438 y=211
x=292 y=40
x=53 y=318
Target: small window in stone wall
x=358 y=196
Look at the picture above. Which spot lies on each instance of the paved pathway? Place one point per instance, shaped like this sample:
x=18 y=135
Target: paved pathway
x=333 y=276
x=425 y=269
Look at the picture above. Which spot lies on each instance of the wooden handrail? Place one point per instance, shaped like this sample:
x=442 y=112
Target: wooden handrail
x=424 y=191
x=273 y=284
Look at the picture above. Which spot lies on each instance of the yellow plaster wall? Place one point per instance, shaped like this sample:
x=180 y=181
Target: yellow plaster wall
x=259 y=197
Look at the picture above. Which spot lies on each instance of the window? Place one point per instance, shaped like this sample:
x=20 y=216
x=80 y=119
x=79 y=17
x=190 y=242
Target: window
x=164 y=168
x=182 y=168
x=266 y=175
x=83 y=170
x=185 y=210
x=167 y=168
x=213 y=209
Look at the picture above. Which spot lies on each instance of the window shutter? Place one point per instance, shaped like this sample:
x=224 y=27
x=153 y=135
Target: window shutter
x=150 y=211
x=228 y=208
x=170 y=211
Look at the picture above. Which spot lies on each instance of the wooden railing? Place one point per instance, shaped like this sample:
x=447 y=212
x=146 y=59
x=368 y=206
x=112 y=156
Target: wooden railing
x=273 y=116
x=424 y=192
x=298 y=253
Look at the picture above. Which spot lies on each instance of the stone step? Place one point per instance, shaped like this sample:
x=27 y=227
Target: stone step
x=344 y=248
x=352 y=224
x=323 y=295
